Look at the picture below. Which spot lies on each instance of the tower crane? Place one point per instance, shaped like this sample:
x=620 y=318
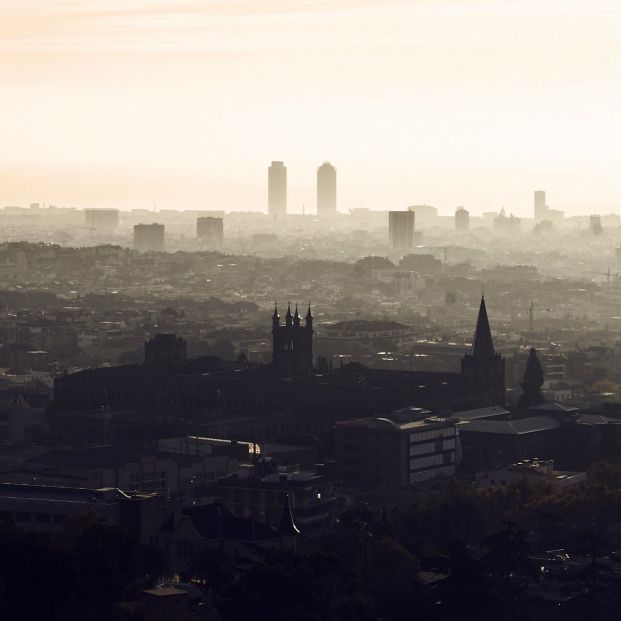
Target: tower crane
x=531 y=314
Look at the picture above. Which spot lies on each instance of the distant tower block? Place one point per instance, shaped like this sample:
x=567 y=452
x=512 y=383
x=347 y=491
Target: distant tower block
x=149 y=237
x=462 y=219
x=277 y=189
x=401 y=229
x=210 y=231
x=102 y=220
x=595 y=224
x=326 y=191
x=541 y=209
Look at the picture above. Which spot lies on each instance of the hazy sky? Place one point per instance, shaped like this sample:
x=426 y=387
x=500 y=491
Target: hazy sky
x=183 y=103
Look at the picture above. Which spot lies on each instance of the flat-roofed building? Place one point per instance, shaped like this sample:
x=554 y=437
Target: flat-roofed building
x=407 y=447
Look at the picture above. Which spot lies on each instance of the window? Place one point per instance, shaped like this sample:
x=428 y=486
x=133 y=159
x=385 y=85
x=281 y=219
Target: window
x=448 y=444
x=426 y=462
x=421 y=436
x=422 y=449
x=42 y=518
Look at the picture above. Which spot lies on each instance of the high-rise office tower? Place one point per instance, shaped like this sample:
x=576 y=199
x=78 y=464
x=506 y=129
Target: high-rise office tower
x=462 y=219
x=326 y=191
x=210 y=231
x=401 y=229
x=149 y=237
x=277 y=189
x=541 y=209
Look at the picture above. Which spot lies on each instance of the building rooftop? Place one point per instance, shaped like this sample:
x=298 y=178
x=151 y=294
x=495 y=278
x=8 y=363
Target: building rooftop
x=510 y=427
x=491 y=411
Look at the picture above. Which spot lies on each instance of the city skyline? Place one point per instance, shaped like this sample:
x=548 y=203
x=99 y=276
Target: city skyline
x=180 y=106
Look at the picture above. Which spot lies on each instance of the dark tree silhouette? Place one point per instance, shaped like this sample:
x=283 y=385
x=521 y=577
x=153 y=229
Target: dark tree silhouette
x=532 y=382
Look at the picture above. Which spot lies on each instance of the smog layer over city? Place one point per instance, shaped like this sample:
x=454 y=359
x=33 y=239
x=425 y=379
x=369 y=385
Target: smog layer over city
x=310 y=310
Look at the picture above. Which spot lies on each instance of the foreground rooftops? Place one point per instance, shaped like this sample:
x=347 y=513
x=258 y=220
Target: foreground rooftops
x=64 y=494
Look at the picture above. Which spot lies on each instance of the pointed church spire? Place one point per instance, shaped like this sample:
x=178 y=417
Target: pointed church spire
x=482 y=345
x=296 y=317
x=275 y=317
x=309 y=318
x=289 y=316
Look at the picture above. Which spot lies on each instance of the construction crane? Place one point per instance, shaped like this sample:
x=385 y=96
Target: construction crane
x=531 y=314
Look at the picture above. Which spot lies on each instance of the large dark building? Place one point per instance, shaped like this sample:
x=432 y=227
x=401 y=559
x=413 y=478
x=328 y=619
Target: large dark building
x=239 y=400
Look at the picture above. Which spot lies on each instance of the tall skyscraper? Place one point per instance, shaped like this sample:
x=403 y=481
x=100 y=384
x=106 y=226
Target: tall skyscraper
x=541 y=209
x=462 y=219
x=401 y=229
x=277 y=189
x=326 y=191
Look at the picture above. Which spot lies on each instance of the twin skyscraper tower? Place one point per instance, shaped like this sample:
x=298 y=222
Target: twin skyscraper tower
x=277 y=190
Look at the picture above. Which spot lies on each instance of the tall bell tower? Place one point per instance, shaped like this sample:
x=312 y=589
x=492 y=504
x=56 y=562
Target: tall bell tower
x=292 y=343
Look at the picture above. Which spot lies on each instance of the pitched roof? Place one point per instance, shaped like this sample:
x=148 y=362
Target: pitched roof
x=486 y=412
x=520 y=426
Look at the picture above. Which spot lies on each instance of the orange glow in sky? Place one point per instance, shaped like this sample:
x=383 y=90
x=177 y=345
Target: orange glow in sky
x=183 y=103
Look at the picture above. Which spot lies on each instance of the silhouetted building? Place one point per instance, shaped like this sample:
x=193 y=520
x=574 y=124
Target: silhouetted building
x=277 y=189
x=165 y=349
x=326 y=190
x=595 y=224
x=102 y=220
x=210 y=231
x=149 y=237
x=508 y=225
x=484 y=366
x=541 y=209
x=532 y=382
x=462 y=219
x=292 y=344
x=405 y=447
x=246 y=401
x=260 y=493
x=401 y=229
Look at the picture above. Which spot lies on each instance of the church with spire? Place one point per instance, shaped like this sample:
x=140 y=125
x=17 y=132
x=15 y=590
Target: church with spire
x=238 y=399
x=483 y=366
